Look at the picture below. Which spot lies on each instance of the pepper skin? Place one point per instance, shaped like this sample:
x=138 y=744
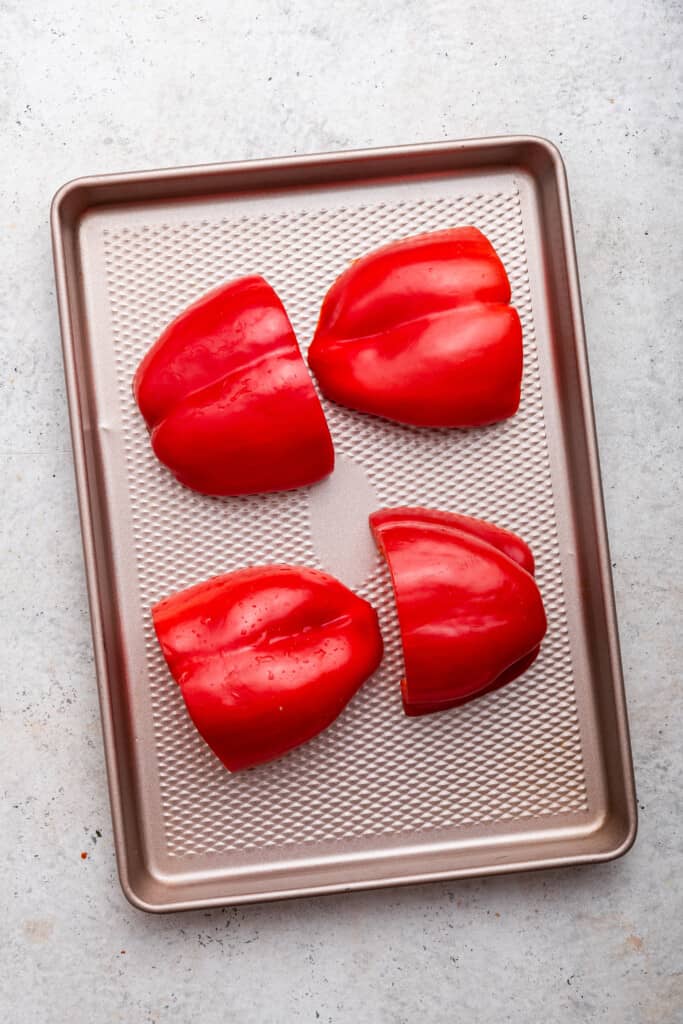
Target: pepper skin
x=266 y=657
x=469 y=609
x=421 y=332
x=228 y=399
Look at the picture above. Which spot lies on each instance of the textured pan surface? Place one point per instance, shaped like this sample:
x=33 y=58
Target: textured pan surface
x=377 y=797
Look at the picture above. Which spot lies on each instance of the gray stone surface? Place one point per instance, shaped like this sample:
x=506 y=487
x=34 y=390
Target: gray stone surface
x=92 y=87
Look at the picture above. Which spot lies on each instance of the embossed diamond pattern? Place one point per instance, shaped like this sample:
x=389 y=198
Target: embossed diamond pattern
x=514 y=754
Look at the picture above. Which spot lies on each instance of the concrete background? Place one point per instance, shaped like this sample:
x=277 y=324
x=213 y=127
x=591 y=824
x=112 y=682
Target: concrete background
x=88 y=87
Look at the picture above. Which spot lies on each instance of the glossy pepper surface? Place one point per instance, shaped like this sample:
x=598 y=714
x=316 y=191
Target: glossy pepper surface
x=470 y=612
x=228 y=399
x=421 y=331
x=266 y=657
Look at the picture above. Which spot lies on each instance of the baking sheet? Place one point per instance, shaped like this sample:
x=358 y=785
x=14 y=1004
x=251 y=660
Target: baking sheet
x=538 y=773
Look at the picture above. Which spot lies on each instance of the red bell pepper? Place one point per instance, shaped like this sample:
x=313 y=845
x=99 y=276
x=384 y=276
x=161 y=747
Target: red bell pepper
x=266 y=657
x=228 y=399
x=470 y=612
x=421 y=331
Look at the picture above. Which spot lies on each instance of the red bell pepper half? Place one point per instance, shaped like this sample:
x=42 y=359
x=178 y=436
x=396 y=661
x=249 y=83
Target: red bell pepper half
x=470 y=612
x=228 y=399
x=266 y=657
x=421 y=331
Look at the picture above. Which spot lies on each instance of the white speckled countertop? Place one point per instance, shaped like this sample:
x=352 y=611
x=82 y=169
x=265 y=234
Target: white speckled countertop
x=89 y=88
